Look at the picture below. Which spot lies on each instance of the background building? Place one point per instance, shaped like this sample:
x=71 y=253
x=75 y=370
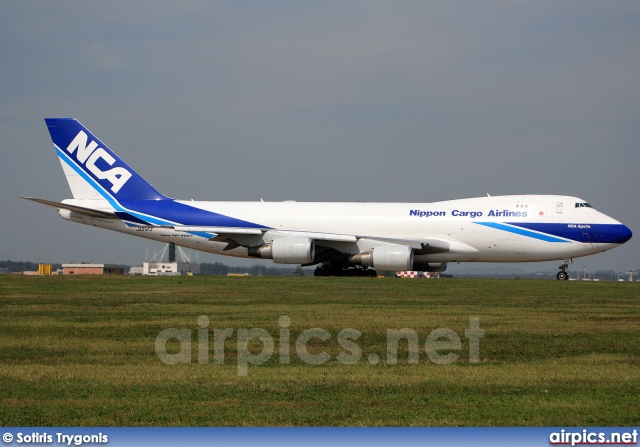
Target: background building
x=94 y=269
x=169 y=268
x=164 y=263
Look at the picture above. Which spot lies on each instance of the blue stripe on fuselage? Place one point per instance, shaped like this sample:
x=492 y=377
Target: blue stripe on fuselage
x=128 y=217
x=581 y=232
x=566 y=232
x=522 y=231
x=186 y=214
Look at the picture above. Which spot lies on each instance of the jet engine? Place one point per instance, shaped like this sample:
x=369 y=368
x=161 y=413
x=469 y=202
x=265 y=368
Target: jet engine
x=386 y=257
x=287 y=250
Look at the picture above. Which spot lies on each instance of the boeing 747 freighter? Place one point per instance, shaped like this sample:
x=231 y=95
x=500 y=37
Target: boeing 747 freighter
x=341 y=238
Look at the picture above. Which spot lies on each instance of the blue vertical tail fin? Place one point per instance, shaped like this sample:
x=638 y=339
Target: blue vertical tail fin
x=93 y=171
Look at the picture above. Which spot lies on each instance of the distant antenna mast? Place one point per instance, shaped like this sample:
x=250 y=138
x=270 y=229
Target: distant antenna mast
x=173 y=252
x=159 y=255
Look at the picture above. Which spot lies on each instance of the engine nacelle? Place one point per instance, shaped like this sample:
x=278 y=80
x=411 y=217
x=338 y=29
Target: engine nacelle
x=386 y=257
x=393 y=257
x=429 y=266
x=287 y=250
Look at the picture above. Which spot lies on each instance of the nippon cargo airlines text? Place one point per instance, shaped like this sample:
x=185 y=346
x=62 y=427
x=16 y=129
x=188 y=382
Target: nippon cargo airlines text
x=340 y=239
x=471 y=214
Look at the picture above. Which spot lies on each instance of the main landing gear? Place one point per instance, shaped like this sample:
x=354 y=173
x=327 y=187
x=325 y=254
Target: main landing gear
x=563 y=275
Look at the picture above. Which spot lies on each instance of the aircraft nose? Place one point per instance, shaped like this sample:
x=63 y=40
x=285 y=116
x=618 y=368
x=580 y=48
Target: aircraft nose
x=625 y=234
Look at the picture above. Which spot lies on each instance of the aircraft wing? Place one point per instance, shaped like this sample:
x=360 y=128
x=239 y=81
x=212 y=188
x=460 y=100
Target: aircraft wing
x=219 y=231
x=420 y=246
x=228 y=232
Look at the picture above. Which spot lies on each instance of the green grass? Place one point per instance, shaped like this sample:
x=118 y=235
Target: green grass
x=78 y=351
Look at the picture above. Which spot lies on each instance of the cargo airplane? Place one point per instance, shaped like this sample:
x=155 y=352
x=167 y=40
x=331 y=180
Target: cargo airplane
x=341 y=238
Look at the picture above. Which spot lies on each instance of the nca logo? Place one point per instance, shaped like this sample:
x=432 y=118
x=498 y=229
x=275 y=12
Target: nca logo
x=89 y=155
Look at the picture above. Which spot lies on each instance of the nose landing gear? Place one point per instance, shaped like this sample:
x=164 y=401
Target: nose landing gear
x=563 y=275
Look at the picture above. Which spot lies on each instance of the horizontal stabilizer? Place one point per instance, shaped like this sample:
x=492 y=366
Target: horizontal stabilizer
x=76 y=209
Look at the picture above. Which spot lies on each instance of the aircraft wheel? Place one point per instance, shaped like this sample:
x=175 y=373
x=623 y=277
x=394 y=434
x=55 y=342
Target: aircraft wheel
x=562 y=275
x=371 y=273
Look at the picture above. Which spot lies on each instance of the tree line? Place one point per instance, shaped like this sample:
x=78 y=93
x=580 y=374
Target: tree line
x=21 y=266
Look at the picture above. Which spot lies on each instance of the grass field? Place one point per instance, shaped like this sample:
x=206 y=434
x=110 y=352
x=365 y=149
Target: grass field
x=80 y=351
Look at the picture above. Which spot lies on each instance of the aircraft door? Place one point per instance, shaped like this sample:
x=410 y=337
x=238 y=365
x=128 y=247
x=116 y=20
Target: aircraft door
x=559 y=208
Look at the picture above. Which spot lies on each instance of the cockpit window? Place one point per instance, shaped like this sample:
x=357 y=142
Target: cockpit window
x=583 y=205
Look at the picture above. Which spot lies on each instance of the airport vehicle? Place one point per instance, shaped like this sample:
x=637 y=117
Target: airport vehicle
x=341 y=238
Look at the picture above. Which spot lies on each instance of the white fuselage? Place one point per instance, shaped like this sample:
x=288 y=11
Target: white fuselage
x=467 y=224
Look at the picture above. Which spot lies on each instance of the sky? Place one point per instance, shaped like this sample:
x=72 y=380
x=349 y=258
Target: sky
x=403 y=101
